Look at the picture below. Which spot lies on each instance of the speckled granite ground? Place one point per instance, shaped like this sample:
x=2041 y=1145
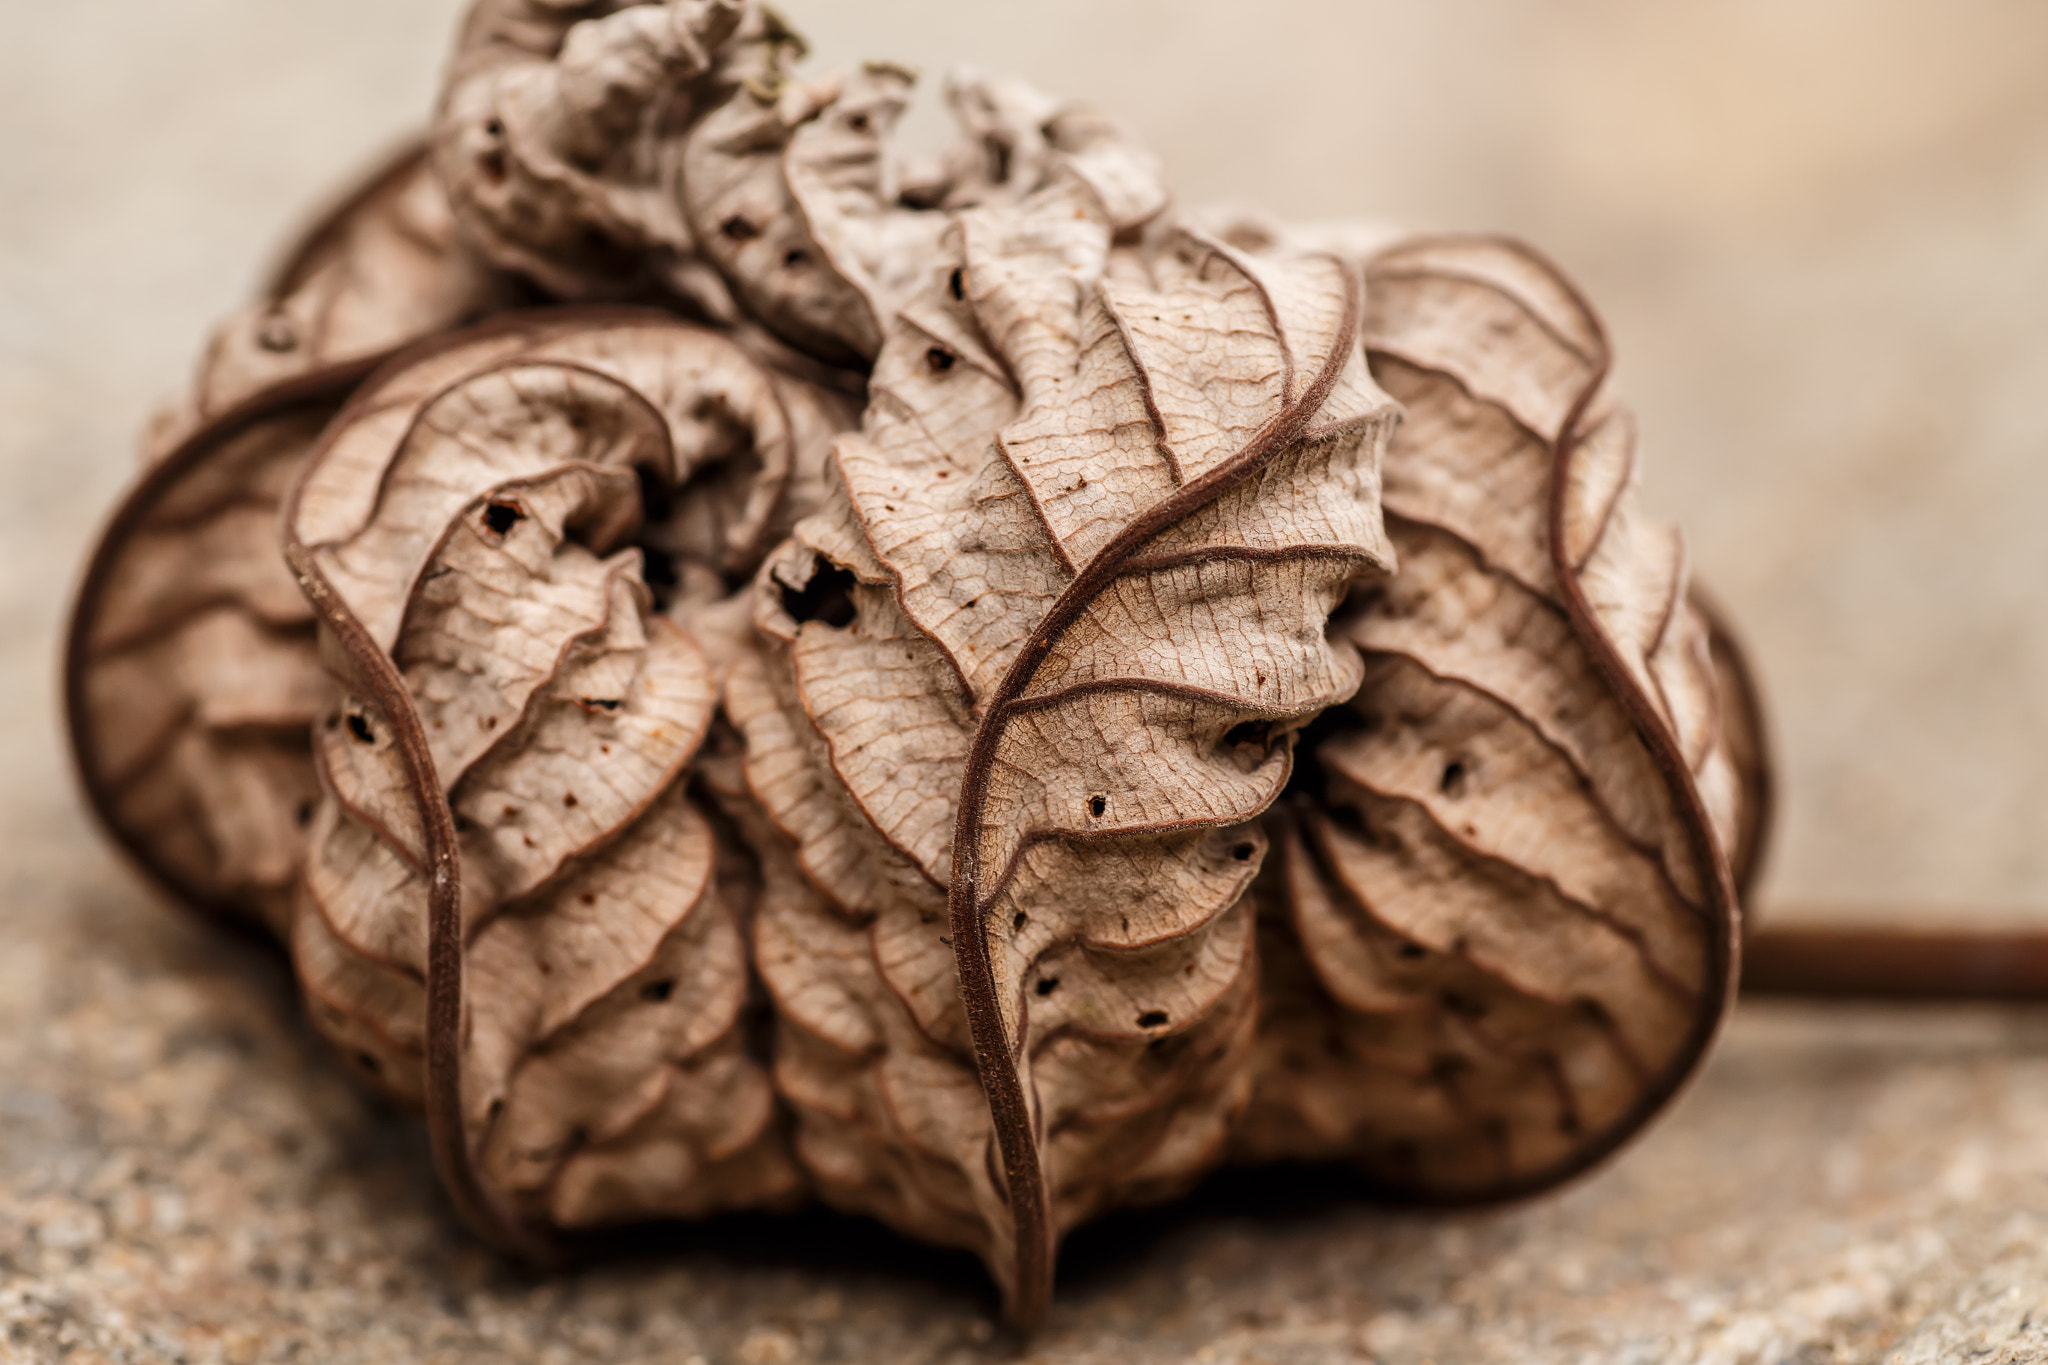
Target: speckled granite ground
x=1817 y=227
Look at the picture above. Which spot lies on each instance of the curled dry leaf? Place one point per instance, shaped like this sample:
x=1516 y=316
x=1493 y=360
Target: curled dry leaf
x=613 y=149
x=512 y=910
x=1112 y=773
x=191 y=673
x=1501 y=923
x=1034 y=674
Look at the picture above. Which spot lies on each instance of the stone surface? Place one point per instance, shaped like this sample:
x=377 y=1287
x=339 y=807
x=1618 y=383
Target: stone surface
x=1816 y=227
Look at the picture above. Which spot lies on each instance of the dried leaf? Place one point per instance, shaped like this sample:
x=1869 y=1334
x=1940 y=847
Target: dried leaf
x=192 y=675
x=506 y=780
x=1500 y=929
x=1039 y=667
x=1086 y=768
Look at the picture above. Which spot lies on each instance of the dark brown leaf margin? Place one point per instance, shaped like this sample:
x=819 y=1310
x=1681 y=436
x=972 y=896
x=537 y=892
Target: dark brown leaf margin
x=375 y=677
x=1724 y=940
x=324 y=388
x=1745 y=722
x=994 y=1052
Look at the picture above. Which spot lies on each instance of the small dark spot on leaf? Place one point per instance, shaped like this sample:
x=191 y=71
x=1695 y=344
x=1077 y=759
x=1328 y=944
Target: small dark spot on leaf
x=588 y=898
x=502 y=517
x=1098 y=806
x=739 y=229
x=304 y=814
x=1413 y=952
x=359 y=726
x=277 y=333
x=546 y=967
x=827 y=597
x=497 y=1107
x=495 y=128
x=510 y=812
x=1152 y=1019
x=569 y=800
x=654 y=992
x=603 y=703
x=490 y=722
x=856 y=123
x=369 y=1063
x=939 y=359
x=796 y=258
x=1047 y=985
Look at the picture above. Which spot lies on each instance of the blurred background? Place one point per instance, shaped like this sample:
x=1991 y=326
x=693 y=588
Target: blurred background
x=1818 y=229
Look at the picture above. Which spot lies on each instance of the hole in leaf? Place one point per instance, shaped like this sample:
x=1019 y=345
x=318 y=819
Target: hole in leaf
x=1453 y=783
x=1152 y=1019
x=796 y=258
x=1413 y=952
x=1047 y=985
x=497 y=1108
x=1018 y=923
x=603 y=703
x=739 y=229
x=1243 y=852
x=956 y=285
x=502 y=517
x=1098 y=806
x=828 y=597
x=359 y=726
x=654 y=992
x=939 y=359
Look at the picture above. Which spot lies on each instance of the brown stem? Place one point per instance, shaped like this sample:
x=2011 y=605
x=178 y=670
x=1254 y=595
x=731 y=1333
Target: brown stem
x=1852 y=962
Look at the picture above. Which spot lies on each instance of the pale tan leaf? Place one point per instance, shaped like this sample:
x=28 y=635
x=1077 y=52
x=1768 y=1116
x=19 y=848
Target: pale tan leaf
x=1175 y=448
x=191 y=670
x=1505 y=878
x=518 y=708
